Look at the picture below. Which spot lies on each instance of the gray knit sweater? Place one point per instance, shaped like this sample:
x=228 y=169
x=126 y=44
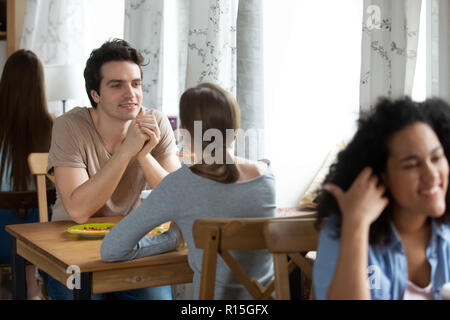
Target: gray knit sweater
x=184 y=197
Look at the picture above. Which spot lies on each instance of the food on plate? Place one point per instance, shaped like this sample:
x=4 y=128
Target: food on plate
x=101 y=229
x=97 y=228
x=159 y=229
x=93 y=229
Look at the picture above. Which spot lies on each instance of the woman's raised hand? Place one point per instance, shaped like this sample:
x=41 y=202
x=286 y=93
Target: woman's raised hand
x=363 y=202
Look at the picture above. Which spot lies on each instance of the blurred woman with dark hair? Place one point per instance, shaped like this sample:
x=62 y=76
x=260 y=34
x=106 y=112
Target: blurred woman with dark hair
x=25 y=127
x=25 y=123
x=387 y=210
x=217 y=185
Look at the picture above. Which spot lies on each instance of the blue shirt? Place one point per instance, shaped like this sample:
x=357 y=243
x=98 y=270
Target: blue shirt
x=387 y=267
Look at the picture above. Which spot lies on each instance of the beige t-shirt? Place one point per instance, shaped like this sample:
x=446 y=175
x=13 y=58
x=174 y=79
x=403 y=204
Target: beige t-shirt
x=77 y=144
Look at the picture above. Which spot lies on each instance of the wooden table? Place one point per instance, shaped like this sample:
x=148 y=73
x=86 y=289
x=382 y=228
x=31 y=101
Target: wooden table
x=52 y=249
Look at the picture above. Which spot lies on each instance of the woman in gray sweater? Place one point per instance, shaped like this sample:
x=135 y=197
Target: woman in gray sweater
x=217 y=185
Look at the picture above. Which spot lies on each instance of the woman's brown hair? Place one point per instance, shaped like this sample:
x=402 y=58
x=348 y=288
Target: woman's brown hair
x=25 y=123
x=216 y=109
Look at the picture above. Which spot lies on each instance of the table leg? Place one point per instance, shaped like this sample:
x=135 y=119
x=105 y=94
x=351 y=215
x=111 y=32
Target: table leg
x=19 y=283
x=85 y=290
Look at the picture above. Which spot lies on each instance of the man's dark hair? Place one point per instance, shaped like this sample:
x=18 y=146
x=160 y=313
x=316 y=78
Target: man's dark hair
x=114 y=50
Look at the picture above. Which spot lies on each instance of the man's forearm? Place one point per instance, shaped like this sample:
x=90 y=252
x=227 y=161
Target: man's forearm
x=92 y=195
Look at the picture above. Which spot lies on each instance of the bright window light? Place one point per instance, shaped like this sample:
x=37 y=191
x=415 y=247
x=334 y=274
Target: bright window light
x=170 y=59
x=312 y=55
x=420 y=87
x=103 y=21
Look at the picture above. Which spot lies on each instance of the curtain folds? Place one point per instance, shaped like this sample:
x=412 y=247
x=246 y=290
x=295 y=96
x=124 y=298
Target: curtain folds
x=218 y=41
x=144 y=30
x=250 y=76
x=211 y=46
x=389 y=49
x=438 y=79
x=53 y=29
x=206 y=42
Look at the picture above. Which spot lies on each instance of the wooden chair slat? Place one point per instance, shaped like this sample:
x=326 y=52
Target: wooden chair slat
x=209 y=263
x=292 y=238
x=38 y=167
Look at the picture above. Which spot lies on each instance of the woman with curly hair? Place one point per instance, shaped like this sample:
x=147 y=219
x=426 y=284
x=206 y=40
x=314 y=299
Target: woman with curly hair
x=387 y=235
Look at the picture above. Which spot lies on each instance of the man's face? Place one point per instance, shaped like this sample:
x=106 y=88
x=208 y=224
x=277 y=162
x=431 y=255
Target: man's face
x=120 y=94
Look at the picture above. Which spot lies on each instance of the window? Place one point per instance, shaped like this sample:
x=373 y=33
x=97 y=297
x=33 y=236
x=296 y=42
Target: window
x=101 y=24
x=170 y=60
x=419 y=92
x=312 y=74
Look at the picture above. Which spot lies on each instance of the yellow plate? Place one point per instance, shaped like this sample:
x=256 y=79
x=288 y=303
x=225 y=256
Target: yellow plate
x=89 y=230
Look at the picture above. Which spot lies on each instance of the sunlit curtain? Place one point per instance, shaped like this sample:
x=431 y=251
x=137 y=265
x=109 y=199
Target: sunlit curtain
x=53 y=29
x=144 y=30
x=389 y=49
x=439 y=50
x=250 y=77
x=211 y=43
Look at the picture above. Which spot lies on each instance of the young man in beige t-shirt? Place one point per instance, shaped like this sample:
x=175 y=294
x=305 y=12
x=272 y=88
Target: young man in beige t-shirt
x=102 y=157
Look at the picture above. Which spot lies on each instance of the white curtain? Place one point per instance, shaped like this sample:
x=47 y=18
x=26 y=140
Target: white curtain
x=211 y=43
x=389 y=49
x=438 y=78
x=144 y=30
x=206 y=42
x=53 y=29
x=250 y=76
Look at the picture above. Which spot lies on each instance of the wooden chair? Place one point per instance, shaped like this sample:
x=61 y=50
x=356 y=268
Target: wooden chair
x=38 y=167
x=292 y=238
x=219 y=236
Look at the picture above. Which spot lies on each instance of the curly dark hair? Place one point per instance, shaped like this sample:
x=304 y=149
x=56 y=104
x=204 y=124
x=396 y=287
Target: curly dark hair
x=369 y=148
x=114 y=50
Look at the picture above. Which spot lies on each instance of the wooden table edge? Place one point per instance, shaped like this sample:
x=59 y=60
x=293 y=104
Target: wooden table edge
x=22 y=240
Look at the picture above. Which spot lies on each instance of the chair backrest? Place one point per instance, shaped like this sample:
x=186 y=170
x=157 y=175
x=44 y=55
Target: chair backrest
x=292 y=238
x=38 y=167
x=219 y=236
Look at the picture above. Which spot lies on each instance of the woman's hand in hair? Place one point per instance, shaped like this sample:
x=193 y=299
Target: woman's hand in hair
x=363 y=202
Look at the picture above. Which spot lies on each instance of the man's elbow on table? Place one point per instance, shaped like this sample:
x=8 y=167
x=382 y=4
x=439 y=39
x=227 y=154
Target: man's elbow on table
x=77 y=216
x=76 y=212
